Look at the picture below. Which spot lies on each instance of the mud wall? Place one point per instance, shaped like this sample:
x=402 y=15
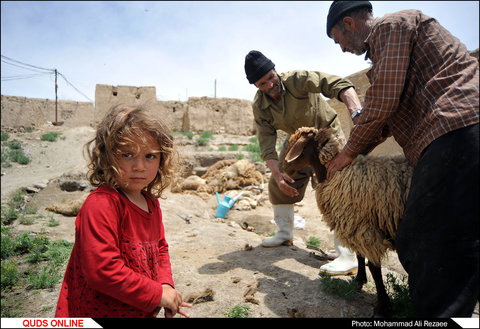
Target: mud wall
x=22 y=112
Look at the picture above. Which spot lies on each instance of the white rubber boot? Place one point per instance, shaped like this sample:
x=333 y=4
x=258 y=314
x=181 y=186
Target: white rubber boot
x=345 y=264
x=283 y=216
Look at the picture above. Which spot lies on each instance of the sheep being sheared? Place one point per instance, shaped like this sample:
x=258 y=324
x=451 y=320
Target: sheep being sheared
x=362 y=204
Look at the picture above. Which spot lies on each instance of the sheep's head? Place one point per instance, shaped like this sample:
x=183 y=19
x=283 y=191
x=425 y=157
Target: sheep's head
x=302 y=151
x=310 y=147
x=329 y=143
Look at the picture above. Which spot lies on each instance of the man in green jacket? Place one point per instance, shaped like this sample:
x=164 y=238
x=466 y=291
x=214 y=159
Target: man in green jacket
x=288 y=101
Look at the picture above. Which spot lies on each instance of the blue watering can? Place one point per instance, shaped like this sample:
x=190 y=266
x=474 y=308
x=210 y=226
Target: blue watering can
x=224 y=206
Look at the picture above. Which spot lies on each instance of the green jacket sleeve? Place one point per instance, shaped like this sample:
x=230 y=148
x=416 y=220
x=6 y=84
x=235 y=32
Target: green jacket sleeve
x=318 y=82
x=266 y=133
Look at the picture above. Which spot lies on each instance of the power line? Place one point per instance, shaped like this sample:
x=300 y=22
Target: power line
x=25 y=76
x=70 y=84
x=25 y=64
x=34 y=68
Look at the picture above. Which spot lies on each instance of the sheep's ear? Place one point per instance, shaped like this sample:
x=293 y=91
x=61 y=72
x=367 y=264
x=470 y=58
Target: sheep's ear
x=296 y=149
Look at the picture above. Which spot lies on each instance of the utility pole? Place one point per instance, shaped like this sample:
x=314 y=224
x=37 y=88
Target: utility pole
x=215 y=89
x=56 y=123
x=56 y=97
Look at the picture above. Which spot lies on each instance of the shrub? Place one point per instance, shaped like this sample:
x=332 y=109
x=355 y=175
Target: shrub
x=5 y=136
x=398 y=292
x=238 y=311
x=254 y=150
x=51 y=137
x=9 y=275
x=345 y=289
x=18 y=156
x=47 y=278
x=14 y=145
x=313 y=242
x=206 y=134
x=189 y=134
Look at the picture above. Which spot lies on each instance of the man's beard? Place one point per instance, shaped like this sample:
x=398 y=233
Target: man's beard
x=356 y=40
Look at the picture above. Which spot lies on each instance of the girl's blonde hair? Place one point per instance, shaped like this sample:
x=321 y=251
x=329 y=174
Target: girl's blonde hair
x=119 y=128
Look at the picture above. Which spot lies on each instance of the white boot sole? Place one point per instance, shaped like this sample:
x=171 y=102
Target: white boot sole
x=351 y=271
x=284 y=243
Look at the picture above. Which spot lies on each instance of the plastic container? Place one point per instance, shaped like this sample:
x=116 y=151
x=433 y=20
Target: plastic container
x=224 y=206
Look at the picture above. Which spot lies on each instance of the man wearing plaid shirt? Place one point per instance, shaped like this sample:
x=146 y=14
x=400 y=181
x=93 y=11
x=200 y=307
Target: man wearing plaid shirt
x=424 y=92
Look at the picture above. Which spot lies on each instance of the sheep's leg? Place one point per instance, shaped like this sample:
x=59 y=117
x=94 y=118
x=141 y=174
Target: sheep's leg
x=384 y=306
x=361 y=277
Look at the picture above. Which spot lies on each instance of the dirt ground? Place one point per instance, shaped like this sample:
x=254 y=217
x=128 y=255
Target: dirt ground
x=216 y=258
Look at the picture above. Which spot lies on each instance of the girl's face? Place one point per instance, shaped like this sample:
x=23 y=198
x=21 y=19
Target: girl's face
x=138 y=165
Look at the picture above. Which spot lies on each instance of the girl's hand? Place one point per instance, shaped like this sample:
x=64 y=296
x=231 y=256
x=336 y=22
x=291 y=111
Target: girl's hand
x=181 y=311
x=172 y=302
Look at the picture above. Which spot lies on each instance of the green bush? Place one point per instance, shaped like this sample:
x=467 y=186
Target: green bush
x=238 y=311
x=50 y=137
x=9 y=274
x=14 y=145
x=345 y=289
x=313 y=242
x=398 y=292
x=253 y=150
x=47 y=278
x=18 y=156
x=206 y=134
x=5 y=136
x=189 y=134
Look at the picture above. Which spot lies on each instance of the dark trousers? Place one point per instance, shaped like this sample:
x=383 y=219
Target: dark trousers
x=438 y=237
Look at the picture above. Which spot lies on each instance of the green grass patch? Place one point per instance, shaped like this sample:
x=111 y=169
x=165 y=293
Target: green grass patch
x=347 y=289
x=5 y=136
x=398 y=291
x=313 y=242
x=50 y=137
x=253 y=150
x=238 y=311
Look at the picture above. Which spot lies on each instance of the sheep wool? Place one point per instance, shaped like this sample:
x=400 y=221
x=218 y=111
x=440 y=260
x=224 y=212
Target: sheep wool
x=364 y=202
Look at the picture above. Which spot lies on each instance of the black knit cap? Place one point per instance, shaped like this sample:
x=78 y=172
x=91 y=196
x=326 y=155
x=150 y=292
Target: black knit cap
x=257 y=65
x=338 y=8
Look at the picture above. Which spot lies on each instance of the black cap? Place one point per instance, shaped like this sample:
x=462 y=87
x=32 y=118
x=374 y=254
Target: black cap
x=257 y=65
x=338 y=8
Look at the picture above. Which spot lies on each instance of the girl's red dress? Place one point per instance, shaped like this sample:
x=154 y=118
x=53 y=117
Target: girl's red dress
x=119 y=261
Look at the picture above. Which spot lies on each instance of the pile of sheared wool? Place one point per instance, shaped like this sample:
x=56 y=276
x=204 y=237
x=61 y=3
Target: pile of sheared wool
x=222 y=176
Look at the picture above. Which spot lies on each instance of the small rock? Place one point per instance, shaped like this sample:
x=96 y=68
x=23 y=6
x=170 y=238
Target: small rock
x=236 y=279
x=252 y=288
x=251 y=299
x=40 y=186
x=32 y=189
x=202 y=297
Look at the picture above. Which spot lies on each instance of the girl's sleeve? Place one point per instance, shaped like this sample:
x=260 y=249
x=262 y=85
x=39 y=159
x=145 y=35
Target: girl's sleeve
x=165 y=275
x=102 y=264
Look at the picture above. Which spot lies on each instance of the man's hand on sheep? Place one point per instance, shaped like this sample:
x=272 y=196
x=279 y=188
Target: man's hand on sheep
x=282 y=179
x=340 y=161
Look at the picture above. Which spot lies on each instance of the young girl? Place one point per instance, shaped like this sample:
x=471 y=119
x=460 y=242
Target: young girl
x=120 y=266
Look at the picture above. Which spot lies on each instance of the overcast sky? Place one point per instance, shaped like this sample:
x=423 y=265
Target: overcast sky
x=182 y=47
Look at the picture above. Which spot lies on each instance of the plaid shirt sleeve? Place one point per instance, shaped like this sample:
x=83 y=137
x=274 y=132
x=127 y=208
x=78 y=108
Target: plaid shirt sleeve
x=390 y=53
x=423 y=82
